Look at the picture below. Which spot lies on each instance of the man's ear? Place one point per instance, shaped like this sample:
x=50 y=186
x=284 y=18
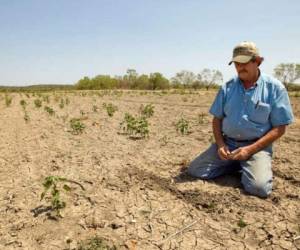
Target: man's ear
x=259 y=60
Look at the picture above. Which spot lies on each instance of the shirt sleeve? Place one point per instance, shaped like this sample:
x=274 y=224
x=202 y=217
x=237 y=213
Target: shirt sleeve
x=281 y=112
x=217 y=108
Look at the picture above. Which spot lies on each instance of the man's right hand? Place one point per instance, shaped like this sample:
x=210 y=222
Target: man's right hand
x=223 y=152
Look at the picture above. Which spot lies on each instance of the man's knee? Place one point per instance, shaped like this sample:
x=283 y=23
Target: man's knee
x=260 y=188
x=198 y=171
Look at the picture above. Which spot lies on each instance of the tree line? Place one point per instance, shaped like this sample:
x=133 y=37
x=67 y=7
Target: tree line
x=207 y=78
x=287 y=73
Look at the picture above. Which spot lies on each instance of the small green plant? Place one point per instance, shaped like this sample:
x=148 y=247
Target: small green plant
x=210 y=206
x=95 y=108
x=51 y=183
x=49 y=110
x=96 y=243
x=56 y=98
x=23 y=103
x=135 y=126
x=64 y=117
x=110 y=108
x=8 y=100
x=182 y=126
x=37 y=103
x=26 y=116
x=82 y=113
x=67 y=101
x=184 y=99
x=147 y=111
x=61 y=103
x=164 y=140
x=77 y=126
x=201 y=118
x=46 y=98
x=241 y=223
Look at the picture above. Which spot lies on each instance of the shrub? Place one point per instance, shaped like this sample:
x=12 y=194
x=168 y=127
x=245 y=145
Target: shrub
x=61 y=103
x=51 y=182
x=182 y=126
x=147 y=111
x=55 y=184
x=135 y=126
x=23 y=103
x=110 y=108
x=8 y=100
x=46 y=98
x=38 y=103
x=77 y=126
x=49 y=110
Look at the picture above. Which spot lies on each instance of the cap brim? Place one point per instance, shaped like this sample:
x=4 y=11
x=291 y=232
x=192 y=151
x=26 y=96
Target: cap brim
x=241 y=59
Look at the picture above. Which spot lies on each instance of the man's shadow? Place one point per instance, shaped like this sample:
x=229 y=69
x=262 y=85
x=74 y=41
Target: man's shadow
x=232 y=179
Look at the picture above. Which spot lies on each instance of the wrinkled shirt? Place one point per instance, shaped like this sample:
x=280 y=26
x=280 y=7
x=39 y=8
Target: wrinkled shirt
x=250 y=113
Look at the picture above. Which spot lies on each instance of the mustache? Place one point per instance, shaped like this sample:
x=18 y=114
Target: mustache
x=243 y=71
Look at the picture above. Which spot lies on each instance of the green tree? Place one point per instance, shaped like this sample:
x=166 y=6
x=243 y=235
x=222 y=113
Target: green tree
x=287 y=73
x=84 y=83
x=143 y=82
x=130 y=78
x=103 y=82
x=158 y=81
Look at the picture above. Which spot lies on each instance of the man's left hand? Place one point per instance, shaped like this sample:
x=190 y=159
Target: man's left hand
x=240 y=154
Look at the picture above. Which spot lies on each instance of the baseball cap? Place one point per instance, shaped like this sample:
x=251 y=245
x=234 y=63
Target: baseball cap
x=244 y=52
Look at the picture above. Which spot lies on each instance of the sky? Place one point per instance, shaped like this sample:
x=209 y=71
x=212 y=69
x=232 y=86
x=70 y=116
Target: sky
x=61 y=41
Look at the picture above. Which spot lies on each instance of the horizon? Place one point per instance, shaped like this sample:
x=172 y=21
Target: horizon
x=60 y=43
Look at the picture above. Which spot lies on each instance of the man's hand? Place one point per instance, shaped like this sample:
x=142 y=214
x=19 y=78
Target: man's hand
x=223 y=152
x=240 y=154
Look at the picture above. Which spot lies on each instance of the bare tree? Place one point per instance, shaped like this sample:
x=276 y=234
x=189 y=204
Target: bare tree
x=287 y=73
x=210 y=77
x=184 y=77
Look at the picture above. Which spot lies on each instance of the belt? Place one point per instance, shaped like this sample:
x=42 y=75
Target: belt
x=237 y=140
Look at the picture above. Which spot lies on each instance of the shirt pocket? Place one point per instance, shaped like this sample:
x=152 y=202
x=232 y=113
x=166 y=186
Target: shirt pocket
x=260 y=113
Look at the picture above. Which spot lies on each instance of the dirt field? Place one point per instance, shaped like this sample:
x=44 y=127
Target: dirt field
x=135 y=194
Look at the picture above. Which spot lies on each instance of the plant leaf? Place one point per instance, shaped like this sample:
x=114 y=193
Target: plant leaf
x=67 y=188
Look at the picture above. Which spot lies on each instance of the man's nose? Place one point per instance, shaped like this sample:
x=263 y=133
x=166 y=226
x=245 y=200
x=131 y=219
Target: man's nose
x=240 y=66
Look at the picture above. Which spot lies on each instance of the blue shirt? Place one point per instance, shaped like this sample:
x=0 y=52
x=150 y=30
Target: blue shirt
x=250 y=113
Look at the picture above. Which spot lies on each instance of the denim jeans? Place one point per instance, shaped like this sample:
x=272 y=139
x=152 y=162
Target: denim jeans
x=256 y=171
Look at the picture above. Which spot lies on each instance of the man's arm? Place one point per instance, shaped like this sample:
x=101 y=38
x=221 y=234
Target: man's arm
x=217 y=131
x=244 y=153
x=223 y=150
x=267 y=139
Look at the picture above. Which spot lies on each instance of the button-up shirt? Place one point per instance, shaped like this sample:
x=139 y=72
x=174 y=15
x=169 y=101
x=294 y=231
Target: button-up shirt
x=250 y=113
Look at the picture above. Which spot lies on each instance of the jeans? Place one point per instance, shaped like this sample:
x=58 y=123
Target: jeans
x=256 y=171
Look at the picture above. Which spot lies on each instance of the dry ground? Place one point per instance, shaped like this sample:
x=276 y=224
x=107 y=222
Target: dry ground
x=135 y=196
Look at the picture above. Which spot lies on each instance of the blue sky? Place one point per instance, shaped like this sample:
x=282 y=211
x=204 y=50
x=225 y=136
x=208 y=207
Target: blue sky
x=61 y=41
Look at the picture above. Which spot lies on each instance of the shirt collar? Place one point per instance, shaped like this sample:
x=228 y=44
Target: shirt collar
x=258 y=81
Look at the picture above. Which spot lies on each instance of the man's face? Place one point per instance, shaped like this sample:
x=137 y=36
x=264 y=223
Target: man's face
x=246 y=71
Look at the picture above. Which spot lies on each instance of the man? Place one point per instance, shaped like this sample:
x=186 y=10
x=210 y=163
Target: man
x=250 y=112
